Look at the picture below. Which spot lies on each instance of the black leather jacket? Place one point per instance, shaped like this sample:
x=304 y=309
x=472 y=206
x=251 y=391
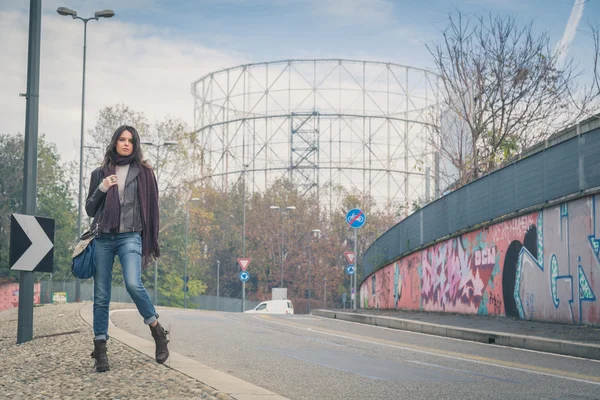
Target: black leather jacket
x=131 y=213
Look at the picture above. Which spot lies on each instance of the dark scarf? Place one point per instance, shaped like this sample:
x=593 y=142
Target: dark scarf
x=148 y=196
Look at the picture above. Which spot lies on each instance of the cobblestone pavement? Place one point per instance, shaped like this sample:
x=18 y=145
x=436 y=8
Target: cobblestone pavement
x=56 y=364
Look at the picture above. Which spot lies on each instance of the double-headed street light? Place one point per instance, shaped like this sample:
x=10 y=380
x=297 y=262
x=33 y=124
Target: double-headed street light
x=158 y=146
x=282 y=211
x=317 y=234
x=166 y=143
x=187 y=228
x=99 y=14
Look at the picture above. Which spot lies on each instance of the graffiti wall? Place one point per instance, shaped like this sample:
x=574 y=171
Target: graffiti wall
x=9 y=295
x=541 y=266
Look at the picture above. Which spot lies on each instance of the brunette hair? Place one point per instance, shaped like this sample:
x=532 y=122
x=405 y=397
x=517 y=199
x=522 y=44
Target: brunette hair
x=111 y=149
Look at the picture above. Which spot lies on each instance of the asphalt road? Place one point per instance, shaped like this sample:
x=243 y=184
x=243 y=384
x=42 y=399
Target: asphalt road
x=307 y=357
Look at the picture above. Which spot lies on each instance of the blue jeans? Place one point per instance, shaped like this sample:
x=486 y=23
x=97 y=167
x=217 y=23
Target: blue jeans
x=128 y=246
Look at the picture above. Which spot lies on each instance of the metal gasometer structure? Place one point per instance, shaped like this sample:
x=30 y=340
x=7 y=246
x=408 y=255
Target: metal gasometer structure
x=324 y=124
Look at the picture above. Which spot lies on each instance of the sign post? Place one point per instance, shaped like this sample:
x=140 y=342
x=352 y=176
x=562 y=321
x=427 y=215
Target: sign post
x=354 y=275
x=355 y=218
x=25 y=318
x=244 y=276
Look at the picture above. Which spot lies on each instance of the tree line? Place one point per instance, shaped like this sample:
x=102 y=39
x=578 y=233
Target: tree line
x=213 y=219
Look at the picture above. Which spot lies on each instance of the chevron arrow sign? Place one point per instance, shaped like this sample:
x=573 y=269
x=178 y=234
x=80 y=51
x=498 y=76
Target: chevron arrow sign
x=31 y=243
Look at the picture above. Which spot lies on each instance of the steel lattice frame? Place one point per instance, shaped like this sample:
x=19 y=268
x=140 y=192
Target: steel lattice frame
x=323 y=123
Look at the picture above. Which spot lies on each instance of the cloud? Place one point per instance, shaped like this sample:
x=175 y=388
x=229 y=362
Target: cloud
x=570 y=30
x=497 y=4
x=356 y=12
x=141 y=66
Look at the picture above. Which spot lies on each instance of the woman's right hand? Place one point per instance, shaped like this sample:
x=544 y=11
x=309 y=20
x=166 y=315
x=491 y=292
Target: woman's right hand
x=109 y=181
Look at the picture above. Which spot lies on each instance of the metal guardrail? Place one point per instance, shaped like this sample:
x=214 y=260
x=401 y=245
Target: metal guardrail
x=569 y=167
x=119 y=294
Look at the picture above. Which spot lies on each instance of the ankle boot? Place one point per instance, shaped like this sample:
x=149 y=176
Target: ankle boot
x=160 y=338
x=100 y=356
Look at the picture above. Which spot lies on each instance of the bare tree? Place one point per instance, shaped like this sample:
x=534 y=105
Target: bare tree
x=502 y=87
x=591 y=93
x=171 y=163
x=108 y=120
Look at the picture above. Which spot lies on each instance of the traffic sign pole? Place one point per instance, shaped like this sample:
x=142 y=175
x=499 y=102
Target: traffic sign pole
x=356 y=264
x=355 y=218
x=25 y=313
x=243 y=263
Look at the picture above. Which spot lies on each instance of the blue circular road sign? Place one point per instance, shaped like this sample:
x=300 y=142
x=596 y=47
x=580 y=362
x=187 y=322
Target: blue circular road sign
x=244 y=276
x=350 y=269
x=356 y=218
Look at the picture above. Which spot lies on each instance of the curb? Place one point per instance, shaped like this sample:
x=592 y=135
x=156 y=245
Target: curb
x=220 y=381
x=564 y=347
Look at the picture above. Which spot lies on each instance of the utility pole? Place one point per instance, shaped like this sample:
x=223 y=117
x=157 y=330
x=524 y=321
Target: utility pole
x=282 y=211
x=157 y=175
x=185 y=272
x=317 y=232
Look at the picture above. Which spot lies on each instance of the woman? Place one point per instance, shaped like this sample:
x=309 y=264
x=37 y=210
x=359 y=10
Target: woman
x=123 y=199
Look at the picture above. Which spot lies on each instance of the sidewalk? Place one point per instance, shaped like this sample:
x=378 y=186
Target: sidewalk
x=56 y=364
x=567 y=339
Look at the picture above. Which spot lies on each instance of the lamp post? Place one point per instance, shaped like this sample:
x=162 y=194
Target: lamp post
x=89 y=218
x=325 y=296
x=282 y=212
x=218 y=275
x=97 y=15
x=158 y=146
x=244 y=235
x=317 y=233
x=187 y=228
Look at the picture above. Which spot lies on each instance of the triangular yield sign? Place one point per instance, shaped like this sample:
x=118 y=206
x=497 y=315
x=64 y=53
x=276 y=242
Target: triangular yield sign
x=349 y=256
x=243 y=263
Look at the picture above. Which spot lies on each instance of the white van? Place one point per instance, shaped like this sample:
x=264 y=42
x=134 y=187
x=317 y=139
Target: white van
x=273 y=307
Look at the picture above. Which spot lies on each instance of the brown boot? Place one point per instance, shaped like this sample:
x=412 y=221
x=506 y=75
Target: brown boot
x=161 y=339
x=100 y=356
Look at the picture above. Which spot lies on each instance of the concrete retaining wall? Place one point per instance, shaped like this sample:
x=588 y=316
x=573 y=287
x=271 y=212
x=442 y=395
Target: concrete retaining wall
x=543 y=266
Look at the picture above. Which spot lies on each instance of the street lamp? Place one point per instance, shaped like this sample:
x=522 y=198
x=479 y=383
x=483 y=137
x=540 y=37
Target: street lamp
x=158 y=146
x=90 y=219
x=218 y=275
x=317 y=233
x=73 y=14
x=243 y=235
x=325 y=295
x=187 y=228
x=282 y=212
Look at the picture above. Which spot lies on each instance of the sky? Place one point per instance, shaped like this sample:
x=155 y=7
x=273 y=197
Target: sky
x=150 y=52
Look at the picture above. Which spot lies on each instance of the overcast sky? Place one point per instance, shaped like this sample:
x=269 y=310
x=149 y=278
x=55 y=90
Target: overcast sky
x=148 y=55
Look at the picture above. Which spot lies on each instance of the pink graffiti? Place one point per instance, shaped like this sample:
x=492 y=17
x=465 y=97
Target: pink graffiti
x=448 y=282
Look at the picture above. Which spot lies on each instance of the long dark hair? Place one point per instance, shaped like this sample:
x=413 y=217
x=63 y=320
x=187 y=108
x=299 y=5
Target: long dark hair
x=111 y=149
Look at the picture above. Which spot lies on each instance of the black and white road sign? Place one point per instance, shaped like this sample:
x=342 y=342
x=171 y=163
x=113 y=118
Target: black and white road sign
x=31 y=243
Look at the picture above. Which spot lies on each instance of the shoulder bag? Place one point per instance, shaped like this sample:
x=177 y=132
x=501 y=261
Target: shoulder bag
x=83 y=265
